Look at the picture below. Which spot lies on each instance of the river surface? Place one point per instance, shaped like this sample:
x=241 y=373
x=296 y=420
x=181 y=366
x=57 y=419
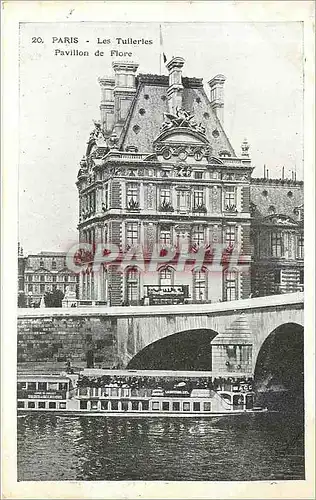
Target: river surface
x=230 y=448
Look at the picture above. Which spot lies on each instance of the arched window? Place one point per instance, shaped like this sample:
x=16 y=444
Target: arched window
x=200 y=286
x=166 y=276
x=132 y=286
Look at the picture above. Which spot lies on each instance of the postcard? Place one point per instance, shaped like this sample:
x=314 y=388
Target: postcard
x=158 y=320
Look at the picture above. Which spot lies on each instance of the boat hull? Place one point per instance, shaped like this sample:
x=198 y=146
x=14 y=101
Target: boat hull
x=129 y=414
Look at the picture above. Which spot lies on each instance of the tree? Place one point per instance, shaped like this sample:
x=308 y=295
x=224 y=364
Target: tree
x=53 y=299
x=22 y=302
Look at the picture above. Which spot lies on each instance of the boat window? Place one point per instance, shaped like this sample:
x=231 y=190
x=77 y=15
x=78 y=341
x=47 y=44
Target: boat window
x=226 y=397
x=62 y=386
x=186 y=406
x=176 y=406
x=31 y=386
x=196 y=406
x=94 y=392
x=134 y=405
x=20 y=404
x=52 y=386
x=52 y=405
x=21 y=386
x=62 y=406
x=83 y=391
x=83 y=405
x=249 y=401
x=145 y=405
x=104 y=392
x=94 y=405
x=155 y=405
x=124 y=405
x=165 y=405
x=114 y=391
x=114 y=405
x=31 y=404
x=207 y=406
x=104 y=405
x=42 y=386
x=125 y=393
x=238 y=401
x=41 y=404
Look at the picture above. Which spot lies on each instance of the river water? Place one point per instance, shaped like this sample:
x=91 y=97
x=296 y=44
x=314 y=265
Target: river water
x=249 y=447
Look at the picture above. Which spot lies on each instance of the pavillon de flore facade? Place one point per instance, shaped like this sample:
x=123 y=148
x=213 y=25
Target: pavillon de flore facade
x=159 y=169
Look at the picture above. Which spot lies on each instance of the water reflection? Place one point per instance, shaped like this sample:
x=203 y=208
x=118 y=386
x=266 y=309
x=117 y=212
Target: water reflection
x=229 y=448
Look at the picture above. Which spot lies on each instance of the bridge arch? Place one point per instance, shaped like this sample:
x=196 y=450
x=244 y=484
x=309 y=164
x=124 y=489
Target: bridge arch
x=185 y=350
x=279 y=369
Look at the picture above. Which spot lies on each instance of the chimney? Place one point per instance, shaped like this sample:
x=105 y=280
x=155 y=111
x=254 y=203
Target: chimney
x=175 y=88
x=107 y=104
x=124 y=90
x=217 y=96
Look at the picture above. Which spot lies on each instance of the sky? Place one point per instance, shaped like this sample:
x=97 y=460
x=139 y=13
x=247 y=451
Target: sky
x=60 y=98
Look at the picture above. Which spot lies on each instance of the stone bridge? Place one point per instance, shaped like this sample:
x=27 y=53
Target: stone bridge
x=125 y=336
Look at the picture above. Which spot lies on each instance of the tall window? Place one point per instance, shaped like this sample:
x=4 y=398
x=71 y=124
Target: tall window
x=54 y=265
x=105 y=204
x=132 y=198
x=132 y=285
x=165 y=277
x=200 y=289
x=183 y=200
x=132 y=233
x=198 y=235
x=41 y=263
x=198 y=197
x=231 y=285
x=165 y=236
x=230 y=235
x=300 y=247
x=276 y=244
x=230 y=197
x=165 y=196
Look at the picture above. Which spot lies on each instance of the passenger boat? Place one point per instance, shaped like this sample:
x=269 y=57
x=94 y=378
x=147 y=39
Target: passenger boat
x=130 y=393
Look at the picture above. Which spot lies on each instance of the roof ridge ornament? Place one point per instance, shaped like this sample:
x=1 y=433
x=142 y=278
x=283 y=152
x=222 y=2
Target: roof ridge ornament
x=245 y=148
x=181 y=118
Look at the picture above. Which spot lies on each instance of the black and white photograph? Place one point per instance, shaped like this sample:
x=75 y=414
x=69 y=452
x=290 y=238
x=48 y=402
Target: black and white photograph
x=160 y=252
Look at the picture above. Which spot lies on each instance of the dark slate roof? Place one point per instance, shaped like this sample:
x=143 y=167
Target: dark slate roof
x=195 y=101
x=283 y=195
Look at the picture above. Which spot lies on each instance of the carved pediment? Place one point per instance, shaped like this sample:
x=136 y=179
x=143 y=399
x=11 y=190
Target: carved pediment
x=280 y=219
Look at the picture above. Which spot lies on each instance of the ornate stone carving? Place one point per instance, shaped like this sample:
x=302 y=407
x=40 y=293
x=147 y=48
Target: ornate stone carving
x=228 y=177
x=149 y=196
x=215 y=193
x=182 y=170
x=181 y=118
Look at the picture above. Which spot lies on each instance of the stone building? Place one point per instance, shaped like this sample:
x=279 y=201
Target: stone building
x=46 y=272
x=159 y=168
x=277 y=235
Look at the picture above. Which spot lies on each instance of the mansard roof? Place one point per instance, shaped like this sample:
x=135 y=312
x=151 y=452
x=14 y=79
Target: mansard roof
x=146 y=114
x=276 y=196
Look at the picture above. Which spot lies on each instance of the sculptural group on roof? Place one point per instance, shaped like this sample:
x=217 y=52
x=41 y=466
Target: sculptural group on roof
x=181 y=118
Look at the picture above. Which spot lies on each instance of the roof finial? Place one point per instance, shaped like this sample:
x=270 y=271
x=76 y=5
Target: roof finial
x=245 y=148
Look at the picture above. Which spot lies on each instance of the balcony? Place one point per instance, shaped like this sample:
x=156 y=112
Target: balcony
x=133 y=205
x=231 y=209
x=199 y=209
x=165 y=206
